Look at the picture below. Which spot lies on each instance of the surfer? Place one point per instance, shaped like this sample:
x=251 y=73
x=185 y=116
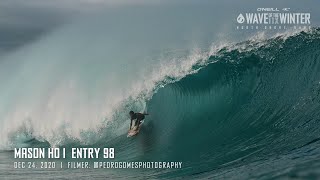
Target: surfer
x=138 y=116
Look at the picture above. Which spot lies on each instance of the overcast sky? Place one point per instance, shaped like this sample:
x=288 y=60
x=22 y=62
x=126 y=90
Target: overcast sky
x=22 y=21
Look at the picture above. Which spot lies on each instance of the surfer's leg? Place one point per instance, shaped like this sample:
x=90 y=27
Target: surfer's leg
x=138 y=122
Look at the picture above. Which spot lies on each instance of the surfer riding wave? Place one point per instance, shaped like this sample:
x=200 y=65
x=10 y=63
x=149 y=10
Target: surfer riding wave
x=138 y=116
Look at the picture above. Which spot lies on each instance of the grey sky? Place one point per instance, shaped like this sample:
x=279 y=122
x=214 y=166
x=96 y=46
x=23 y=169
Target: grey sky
x=23 y=21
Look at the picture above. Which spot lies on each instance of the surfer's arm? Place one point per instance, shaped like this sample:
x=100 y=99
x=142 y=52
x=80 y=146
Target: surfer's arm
x=130 y=124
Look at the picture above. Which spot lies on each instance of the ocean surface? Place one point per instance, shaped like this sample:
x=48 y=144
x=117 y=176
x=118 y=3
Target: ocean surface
x=247 y=110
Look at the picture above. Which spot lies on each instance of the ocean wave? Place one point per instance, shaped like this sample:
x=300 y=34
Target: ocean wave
x=235 y=99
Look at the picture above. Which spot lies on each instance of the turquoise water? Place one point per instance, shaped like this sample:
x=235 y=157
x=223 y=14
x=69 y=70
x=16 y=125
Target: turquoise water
x=251 y=110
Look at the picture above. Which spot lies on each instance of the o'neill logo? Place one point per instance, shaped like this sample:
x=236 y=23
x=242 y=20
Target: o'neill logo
x=273 y=18
x=240 y=19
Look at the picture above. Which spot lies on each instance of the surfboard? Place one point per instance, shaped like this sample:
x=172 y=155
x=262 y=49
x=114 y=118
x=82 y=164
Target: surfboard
x=134 y=130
